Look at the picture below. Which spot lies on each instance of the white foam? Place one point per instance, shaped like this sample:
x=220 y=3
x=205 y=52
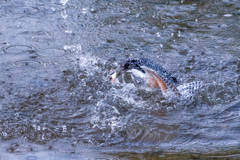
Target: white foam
x=86 y=61
x=76 y=48
x=107 y=115
x=63 y=2
x=64 y=14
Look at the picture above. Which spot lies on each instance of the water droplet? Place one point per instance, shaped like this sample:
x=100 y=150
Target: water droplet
x=84 y=10
x=68 y=30
x=4 y=134
x=93 y=10
x=158 y=34
x=64 y=128
x=227 y=15
x=76 y=48
x=179 y=33
x=143 y=30
x=64 y=14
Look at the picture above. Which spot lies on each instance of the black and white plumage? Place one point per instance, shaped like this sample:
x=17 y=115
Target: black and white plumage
x=147 y=73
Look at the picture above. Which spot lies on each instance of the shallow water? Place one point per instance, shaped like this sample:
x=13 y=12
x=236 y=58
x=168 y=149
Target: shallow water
x=56 y=100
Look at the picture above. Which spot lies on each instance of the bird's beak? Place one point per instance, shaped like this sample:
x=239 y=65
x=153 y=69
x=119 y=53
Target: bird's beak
x=115 y=73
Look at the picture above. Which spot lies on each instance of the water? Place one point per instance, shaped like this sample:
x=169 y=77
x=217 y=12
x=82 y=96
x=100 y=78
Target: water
x=56 y=101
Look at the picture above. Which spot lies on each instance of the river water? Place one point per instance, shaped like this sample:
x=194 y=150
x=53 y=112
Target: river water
x=57 y=103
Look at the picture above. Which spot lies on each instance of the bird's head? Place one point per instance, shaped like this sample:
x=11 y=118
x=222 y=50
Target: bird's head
x=128 y=66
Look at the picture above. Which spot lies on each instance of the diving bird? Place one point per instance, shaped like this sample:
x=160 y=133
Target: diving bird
x=146 y=73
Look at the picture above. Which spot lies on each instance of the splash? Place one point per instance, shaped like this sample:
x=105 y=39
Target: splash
x=76 y=48
x=63 y=2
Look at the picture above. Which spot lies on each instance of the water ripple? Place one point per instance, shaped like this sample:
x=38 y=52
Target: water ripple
x=19 y=49
x=29 y=63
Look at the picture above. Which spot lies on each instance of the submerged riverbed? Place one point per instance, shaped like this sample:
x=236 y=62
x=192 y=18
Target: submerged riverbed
x=56 y=101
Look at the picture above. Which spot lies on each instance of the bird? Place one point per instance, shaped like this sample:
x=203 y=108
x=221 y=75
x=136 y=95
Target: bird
x=147 y=73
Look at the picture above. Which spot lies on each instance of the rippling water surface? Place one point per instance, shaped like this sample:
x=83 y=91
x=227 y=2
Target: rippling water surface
x=56 y=101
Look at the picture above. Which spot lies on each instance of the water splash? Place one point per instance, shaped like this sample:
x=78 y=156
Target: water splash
x=63 y=2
